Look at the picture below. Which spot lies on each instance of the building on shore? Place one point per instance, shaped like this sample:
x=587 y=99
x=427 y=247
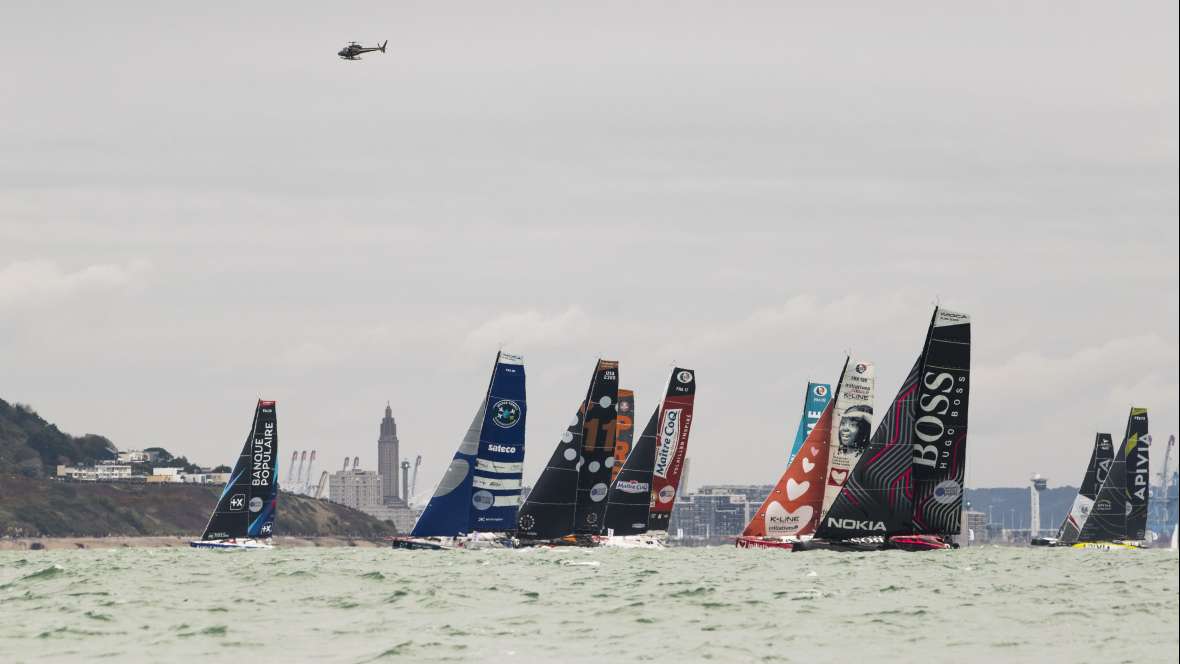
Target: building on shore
x=715 y=514
x=363 y=490
x=355 y=488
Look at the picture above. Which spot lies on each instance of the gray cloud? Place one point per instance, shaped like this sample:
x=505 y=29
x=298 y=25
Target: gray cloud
x=195 y=210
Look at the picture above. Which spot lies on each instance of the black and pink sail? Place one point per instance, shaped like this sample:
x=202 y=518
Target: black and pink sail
x=909 y=480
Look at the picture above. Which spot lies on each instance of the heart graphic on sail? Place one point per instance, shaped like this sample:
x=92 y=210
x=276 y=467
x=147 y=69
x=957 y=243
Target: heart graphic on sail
x=807 y=465
x=796 y=489
x=838 y=477
x=814 y=452
x=780 y=522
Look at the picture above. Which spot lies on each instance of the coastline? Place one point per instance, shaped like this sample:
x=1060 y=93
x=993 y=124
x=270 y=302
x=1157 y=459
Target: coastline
x=158 y=542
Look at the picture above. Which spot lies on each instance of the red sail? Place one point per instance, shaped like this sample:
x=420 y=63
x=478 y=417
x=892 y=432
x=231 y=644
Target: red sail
x=792 y=508
x=671 y=446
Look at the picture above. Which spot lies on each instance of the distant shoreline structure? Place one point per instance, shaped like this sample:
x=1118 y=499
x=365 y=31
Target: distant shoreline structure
x=164 y=542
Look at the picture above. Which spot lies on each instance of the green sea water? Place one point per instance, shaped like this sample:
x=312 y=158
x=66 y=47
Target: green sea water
x=981 y=604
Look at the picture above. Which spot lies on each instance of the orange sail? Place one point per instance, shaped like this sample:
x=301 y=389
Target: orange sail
x=792 y=508
x=624 y=430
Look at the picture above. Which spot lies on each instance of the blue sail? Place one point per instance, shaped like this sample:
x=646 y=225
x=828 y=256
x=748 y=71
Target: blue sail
x=814 y=402
x=452 y=509
x=495 y=487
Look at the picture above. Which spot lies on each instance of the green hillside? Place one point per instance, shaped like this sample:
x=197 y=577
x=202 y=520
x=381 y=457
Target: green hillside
x=32 y=507
x=32 y=447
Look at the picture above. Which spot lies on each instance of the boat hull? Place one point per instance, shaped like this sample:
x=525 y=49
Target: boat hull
x=230 y=545
x=1108 y=546
x=468 y=542
x=418 y=544
x=891 y=543
x=744 y=542
x=630 y=541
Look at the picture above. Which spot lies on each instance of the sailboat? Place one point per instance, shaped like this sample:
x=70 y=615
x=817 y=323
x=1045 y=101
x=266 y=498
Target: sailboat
x=640 y=499
x=568 y=502
x=1097 y=471
x=793 y=507
x=906 y=490
x=244 y=516
x=476 y=500
x=1118 y=517
x=815 y=399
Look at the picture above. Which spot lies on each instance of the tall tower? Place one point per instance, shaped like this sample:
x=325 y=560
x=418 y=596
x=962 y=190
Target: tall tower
x=1034 y=523
x=387 y=458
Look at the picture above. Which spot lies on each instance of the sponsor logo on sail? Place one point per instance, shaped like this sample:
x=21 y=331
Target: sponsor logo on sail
x=861 y=368
x=598 y=492
x=266 y=528
x=947 y=492
x=527 y=521
x=631 y=486
x=261 y=456
x=503 y=449
x=667 y=494
x=669 y=436
x=237 y=502
x=255 y=504
x=936 y=404
x=684 y=376
x=1103 y=470
x=505 y=414
x=854 y=524
x=820 y=390
x=482 y=500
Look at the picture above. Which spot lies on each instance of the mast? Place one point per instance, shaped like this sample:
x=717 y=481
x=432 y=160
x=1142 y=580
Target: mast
x=246 y=508
x=1100 y=459
x=673 y=426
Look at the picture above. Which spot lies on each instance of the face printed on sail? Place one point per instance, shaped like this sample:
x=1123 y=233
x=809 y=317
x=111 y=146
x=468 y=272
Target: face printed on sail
x=854 y=428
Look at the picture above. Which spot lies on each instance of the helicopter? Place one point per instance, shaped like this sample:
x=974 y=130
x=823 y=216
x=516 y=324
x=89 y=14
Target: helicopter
x=353 y=50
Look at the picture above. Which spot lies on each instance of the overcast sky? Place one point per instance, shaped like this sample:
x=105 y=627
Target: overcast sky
x=197 y=209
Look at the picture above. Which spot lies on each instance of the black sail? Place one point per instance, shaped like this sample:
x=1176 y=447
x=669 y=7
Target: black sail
x=598 y=449
x=1108 y=516
x=1096 y=471
x=875 y=499
x=1135 y=449
x=940 y=425
x=548 y=512
x=629 y=500
x=246 y=508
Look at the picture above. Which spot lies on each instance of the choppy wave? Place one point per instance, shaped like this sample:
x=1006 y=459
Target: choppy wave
x=682 y=605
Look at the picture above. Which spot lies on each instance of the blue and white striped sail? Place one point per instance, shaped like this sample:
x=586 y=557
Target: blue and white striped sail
x=481 y=489
x=495 y=488
x=817 y=398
